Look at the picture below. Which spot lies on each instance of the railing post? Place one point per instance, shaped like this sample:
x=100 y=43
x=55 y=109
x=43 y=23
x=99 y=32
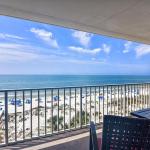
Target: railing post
x=15 y=119
x=23 y=116
x=110 y=100
x=31 y=112
x=6 y=117
x=124 y=100
x=146 y=95
x=75 y=108
x=58 y=111
x=107 y=100
x=99 y=104
x=118 y=100
x=103 y=102
x=45 y=112
x=136 y=97
x=81 y=107
x=69 y=108
x=86 y=106
x=38 y=113
x=95 y=105
x=52 y=112
x=149 y=94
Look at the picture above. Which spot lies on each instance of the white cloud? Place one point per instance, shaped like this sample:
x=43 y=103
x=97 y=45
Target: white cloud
x=127 y=46
x=142 y=50
x=16 y=52
x=83 y=50
x=106 y=48
x=77 y=61
x=21 y=53
x=7 y=36
x=84 y=38
x=11 y=52
x=45 y=36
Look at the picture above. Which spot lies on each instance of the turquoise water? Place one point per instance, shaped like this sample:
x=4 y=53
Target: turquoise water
x=40 y=81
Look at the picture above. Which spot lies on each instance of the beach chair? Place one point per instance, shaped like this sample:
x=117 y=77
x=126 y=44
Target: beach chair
x=124 y=133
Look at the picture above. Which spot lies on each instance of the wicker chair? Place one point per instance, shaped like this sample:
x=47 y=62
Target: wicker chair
x=124 y=133
x=93 y=137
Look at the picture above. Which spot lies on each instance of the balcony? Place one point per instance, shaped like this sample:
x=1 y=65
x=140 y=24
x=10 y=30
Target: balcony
x=29 y=117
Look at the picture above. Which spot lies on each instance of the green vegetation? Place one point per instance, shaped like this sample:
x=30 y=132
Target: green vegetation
x=85 y=119
x=1 y=137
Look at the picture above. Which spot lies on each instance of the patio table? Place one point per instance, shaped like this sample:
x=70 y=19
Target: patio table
x=143 y=113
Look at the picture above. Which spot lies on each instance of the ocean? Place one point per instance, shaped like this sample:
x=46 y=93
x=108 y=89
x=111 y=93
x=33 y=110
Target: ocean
x=43 y=81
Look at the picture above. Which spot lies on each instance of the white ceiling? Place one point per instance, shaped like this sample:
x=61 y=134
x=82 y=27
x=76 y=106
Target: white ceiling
x=127 y=19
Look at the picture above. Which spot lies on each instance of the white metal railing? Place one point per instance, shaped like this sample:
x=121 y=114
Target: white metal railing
x=30 y=113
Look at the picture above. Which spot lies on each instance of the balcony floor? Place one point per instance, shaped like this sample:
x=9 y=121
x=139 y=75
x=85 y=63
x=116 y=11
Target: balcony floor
x=74 y=140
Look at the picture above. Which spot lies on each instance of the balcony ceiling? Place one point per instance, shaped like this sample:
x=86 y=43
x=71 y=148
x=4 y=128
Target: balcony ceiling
x=127 y=19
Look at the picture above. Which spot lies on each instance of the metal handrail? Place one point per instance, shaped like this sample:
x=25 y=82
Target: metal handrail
x=66 y=87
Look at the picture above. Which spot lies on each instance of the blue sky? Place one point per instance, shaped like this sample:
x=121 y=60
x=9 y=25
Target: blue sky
x=35 y=48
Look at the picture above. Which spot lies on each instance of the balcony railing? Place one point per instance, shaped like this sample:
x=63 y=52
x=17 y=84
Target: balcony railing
x=30 y=113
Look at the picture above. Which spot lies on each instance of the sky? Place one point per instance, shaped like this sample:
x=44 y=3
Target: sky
x=28 y=47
